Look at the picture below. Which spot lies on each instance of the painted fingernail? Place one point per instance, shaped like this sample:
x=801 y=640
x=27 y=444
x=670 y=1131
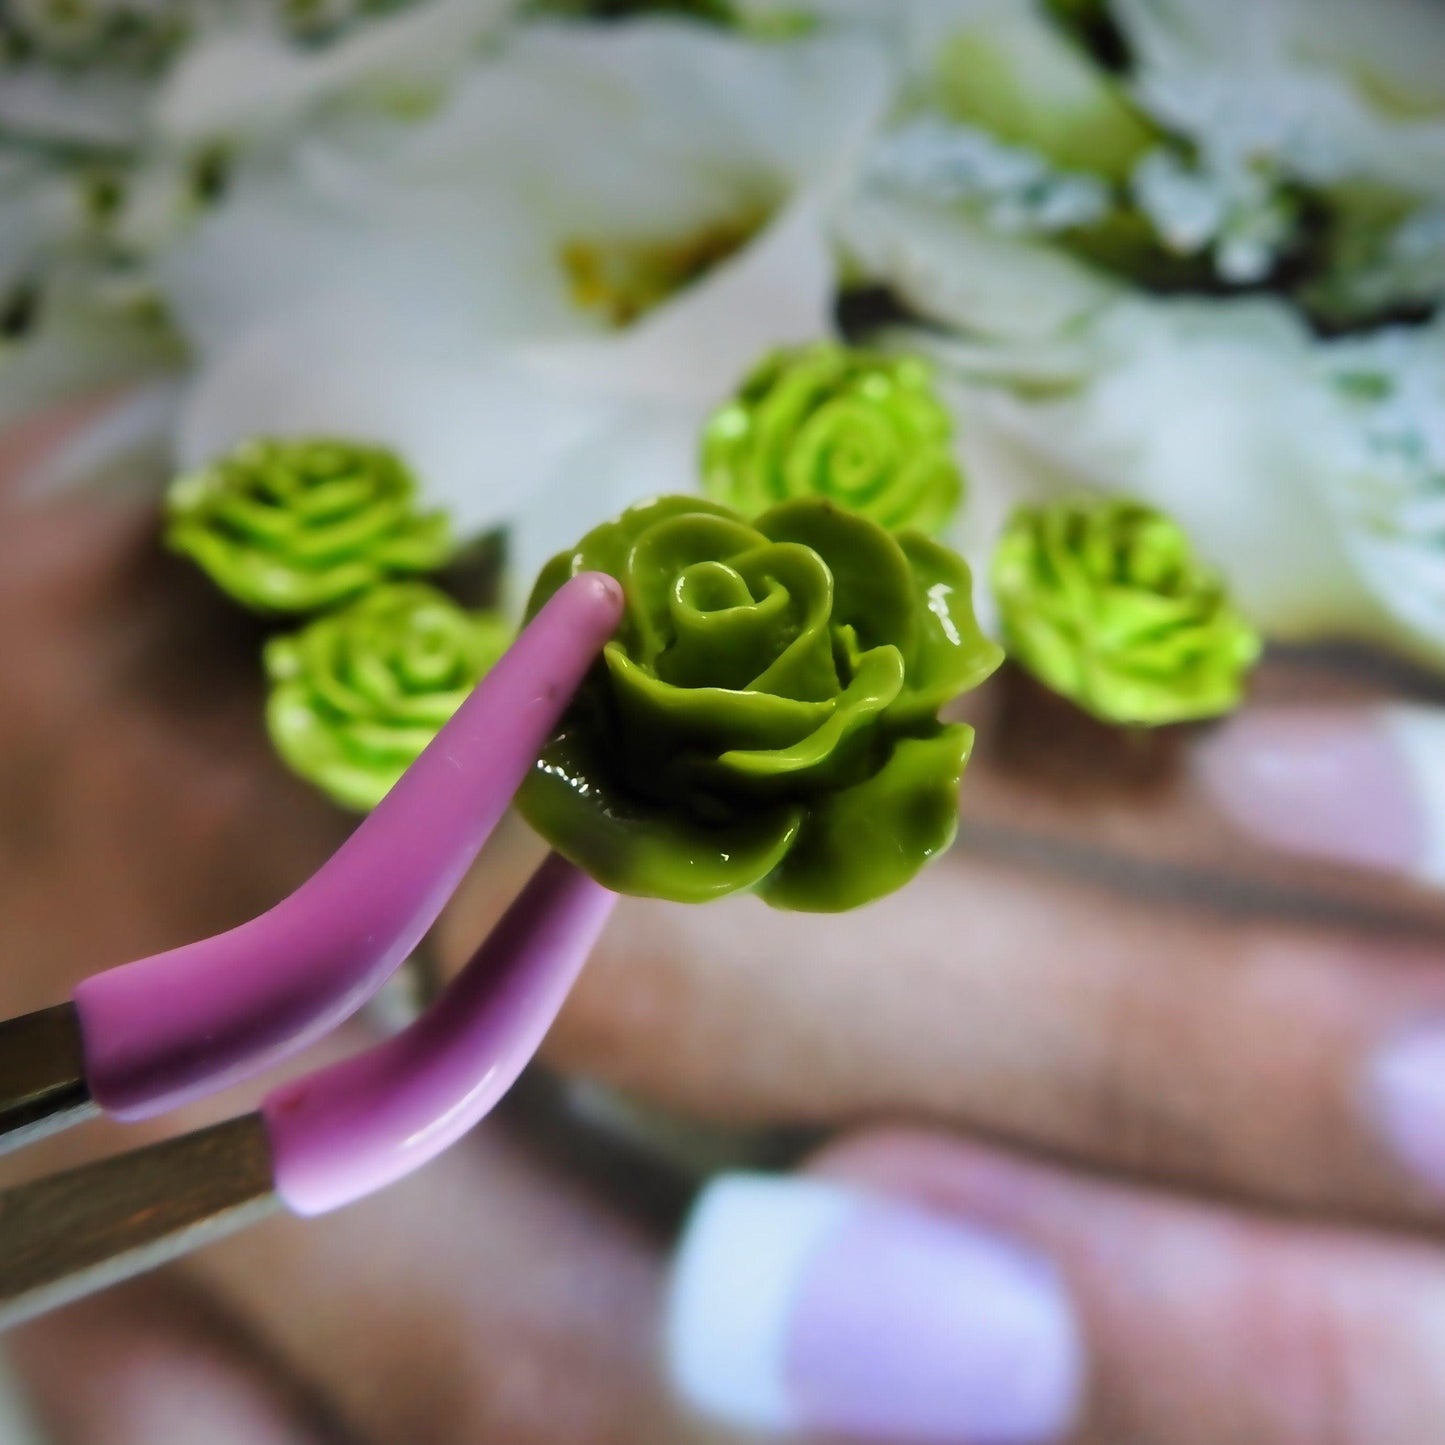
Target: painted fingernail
x=802 y=1305
x=1407 y=1088
x=1356 y=785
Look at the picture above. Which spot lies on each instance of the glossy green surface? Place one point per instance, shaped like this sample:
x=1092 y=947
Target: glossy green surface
x=298 y=526
x=861 y=429
x=1105 y=602
x=357 y=694
x=766 y=716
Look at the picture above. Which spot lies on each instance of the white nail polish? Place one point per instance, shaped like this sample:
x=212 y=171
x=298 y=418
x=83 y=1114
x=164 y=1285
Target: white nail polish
x=1419 y=735
x=799 y=1304
x=738 y=1271
x=1362 y=786
x=1407 y=1092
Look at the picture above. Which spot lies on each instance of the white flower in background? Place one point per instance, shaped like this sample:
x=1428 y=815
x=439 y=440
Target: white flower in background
x=1387 y=484
x=117 y=73
x=76 y=334
x=1011 y=189
x=1006 y=68
x=244 y=76
x=81 y=71
x=1312 y=474
x=947 y=265
x=118 y=122
x=1009 y=117
x=1328 y=91
x=1320 y=500
x=1312 y=494
x=537 y=292
x=72 y=314
x=1238 y=213
x=1233 y=128
x=75 y=76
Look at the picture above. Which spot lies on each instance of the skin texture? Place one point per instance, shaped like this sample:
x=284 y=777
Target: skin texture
x=1103 y=1025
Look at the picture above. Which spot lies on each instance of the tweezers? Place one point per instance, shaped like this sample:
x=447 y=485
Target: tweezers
x=139 y=1040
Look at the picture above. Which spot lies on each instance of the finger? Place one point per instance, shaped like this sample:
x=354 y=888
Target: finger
x=922 y=1290
x=1361 y=785
x=1197 y=1037
x=1299 y=1064
x=153 y=1364
x=491 y=1296
x=1320 y=794
x=486 y=1298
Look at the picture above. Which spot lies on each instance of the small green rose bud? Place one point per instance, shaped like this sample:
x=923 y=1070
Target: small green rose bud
x=1105 y=602
x=357 y=694
x=766 y=715
x=865 y=430
x=298 y=526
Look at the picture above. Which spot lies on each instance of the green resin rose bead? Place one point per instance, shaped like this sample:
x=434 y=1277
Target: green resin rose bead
x=298 y=526
x=864 y=430
x=766 y=716
x=1105 y=602
x=357 y=694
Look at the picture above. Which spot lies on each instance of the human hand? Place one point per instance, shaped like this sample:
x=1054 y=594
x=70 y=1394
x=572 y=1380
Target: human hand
x=1153 y=1113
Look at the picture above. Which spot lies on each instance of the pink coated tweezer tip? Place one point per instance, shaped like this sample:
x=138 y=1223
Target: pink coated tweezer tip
x=184 y=1023
x=349 y=1129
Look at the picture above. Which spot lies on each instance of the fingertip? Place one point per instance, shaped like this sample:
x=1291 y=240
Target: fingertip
x=806 y=1303
x=1359 y=785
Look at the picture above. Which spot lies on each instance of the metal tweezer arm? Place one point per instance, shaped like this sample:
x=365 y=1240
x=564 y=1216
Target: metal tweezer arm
x=320 y=1141
x=142 y=1038
x=42 y=1076
x=84 y=1229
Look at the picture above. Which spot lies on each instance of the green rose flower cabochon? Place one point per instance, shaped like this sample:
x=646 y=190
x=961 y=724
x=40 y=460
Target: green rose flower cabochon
x=766 y=716
x=358 y=694
x=862 y=429
x=300 y=525
x=1105 y=602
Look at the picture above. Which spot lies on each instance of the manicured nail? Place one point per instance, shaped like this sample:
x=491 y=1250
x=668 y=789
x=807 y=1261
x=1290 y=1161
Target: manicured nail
x=1407 y=1088
x=1356 y=785
x=803 y=1305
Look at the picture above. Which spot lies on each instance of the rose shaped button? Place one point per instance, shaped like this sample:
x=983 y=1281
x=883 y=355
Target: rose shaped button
x=1105 y=602
x=766 y=716
x=358 y=694
x=297 y=526
x=865 y=430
